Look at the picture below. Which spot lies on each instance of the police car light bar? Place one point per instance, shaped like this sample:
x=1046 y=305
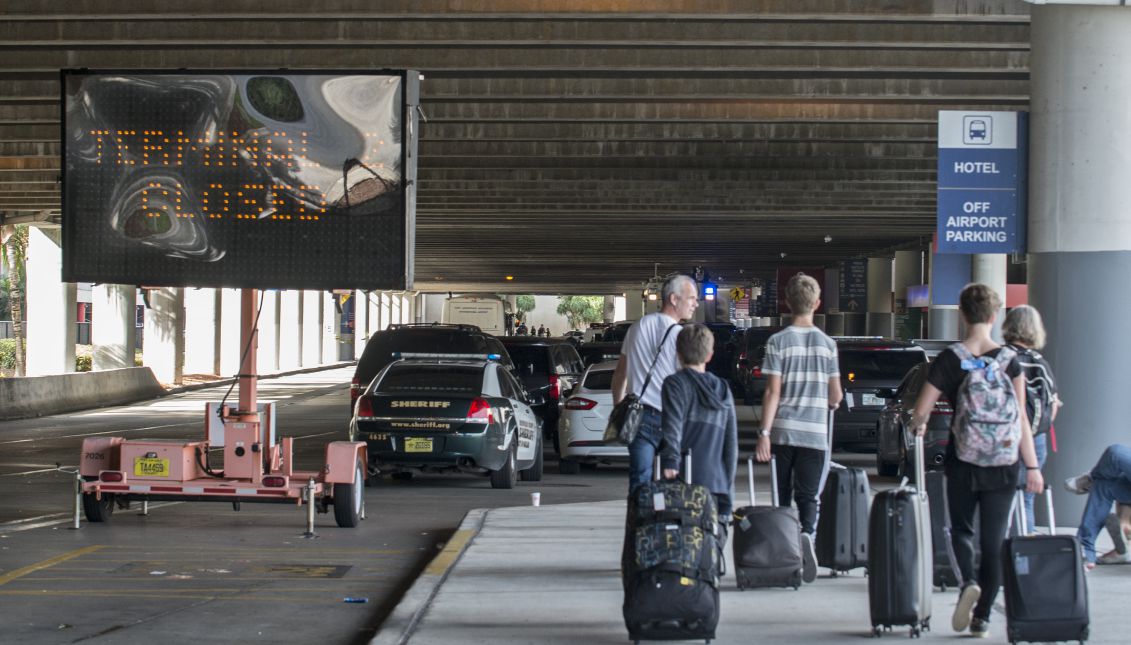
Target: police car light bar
x=478 y=357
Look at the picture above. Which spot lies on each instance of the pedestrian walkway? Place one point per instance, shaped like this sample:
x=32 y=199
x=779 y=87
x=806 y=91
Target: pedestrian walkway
x=550 y=574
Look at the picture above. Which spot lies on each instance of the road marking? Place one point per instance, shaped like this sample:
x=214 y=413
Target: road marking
x=29 y=472
x=14 y=523
x=21 y=525
x=95 y=434
x=50 y=562
x=450 y=553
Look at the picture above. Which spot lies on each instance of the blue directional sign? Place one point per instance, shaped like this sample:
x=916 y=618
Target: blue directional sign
x=982 y=170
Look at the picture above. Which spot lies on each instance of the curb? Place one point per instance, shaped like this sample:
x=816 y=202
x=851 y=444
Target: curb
x=398 y=628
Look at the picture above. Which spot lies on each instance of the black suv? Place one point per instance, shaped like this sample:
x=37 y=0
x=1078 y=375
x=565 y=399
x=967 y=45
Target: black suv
x=548 y=368
x=421 y=338
x=752 y=351
x=870 y=368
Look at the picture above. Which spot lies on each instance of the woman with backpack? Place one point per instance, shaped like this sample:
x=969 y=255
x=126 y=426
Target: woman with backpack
x=1024 y=333
x=988 y=434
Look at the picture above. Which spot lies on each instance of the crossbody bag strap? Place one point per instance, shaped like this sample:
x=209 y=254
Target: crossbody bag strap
x=659 y=350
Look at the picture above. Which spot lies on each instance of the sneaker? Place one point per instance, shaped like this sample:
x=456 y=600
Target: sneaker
x=966 y=601
x=1114 y=558
x=1115 y=530
x=979 y=628
x=808 y=558
x=1080 y=484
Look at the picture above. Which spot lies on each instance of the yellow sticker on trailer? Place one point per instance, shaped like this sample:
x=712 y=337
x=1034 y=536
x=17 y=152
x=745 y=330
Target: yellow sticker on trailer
x=418 y=444
x=150 y=467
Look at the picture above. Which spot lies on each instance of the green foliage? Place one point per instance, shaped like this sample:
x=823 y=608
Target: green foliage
x=83 y=363
x=525 y=303
x=7 y=354
x=580 y=310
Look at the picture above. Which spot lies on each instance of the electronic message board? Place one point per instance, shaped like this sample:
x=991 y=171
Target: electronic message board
x=300 y=180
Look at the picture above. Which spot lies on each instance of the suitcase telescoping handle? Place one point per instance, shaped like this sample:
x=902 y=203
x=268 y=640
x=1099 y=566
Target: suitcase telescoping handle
x=1022 y=518
x=773 y=479
x=686 y=467
x=920 y=467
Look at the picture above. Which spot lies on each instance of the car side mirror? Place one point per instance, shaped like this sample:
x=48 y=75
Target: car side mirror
x=886 y=393
x=535 y=399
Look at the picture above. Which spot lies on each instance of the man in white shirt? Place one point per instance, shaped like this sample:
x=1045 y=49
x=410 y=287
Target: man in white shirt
x=644 y=344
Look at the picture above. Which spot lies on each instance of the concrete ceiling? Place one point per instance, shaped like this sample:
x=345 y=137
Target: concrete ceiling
x=574 y=144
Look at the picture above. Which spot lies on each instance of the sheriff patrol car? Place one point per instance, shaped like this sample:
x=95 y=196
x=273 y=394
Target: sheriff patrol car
x=435 y=412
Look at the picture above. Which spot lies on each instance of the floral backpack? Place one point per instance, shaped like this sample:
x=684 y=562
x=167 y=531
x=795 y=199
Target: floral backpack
x=987 y=417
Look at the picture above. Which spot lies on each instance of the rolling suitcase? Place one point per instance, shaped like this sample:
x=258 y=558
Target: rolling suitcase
x=671 y=562
x=842 y=526
x=1046 y=596
x=899 y=556
x=767 y=540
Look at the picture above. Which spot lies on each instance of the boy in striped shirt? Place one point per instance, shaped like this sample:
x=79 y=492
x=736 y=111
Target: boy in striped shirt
x=802 y=385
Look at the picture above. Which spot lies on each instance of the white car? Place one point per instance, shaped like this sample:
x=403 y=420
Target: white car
x=585 y=414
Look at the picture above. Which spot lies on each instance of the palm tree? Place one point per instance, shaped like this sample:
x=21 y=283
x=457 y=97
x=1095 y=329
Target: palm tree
x=14 y=240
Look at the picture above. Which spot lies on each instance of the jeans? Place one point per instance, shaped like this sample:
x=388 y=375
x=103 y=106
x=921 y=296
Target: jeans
x=800 y=475
x=1041 y=445
x=1111 y=482
x=992 y=507
x=642 y=451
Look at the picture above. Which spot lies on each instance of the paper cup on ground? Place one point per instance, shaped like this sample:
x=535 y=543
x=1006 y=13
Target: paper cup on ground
x=535 y=499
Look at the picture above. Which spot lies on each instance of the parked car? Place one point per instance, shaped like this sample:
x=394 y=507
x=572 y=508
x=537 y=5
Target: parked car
x=421 y=338
x=616 y=332
x=549 y=368
x=894 y=444
x=449 y=412
x=584 y=417
x=599 y=352
x=868 y=367
x=752 y=351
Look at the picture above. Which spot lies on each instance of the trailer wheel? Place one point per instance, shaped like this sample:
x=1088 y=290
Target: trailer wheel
x=98 y=510
x=347 y=499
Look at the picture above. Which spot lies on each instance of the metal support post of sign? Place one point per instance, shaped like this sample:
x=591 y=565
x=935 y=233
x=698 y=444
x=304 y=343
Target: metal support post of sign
x=309 y=510
x=78 y=499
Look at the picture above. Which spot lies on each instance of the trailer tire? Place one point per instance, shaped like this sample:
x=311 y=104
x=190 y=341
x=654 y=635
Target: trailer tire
x=348 y=499
x=98 y=510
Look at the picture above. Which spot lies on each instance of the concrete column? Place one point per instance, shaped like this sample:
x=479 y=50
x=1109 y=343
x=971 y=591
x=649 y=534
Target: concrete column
x=329 y=320
x=290 y=335
x=406 y=309
x=267 y=349
x=633 y=306
x=1080 y=226
x=360 y=322
x=49 y=327
x=907 y=272
x=202 y=331
x=991 y=270
x=311 y=328
x=373 y=304
x=386 y=310
x=879 y=297
x=395 y=308
x=163 y=348
x=949 y=273
x=113 y=327
x=620 y=305
x=229 y=323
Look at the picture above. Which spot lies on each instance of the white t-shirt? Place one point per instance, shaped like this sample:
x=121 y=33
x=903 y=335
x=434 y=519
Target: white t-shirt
x=640 y=344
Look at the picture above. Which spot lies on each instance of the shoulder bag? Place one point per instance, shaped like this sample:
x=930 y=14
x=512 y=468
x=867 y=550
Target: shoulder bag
x=624 y=422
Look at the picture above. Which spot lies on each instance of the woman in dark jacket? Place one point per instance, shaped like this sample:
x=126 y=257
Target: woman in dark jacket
x=698 y=416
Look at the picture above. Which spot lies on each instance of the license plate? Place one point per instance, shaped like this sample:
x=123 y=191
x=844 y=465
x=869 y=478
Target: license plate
x=417 y=444
x=870 y=399
x=150 y=467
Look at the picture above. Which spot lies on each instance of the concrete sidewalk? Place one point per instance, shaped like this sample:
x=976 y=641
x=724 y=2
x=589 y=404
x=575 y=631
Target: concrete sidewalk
x=550 y=574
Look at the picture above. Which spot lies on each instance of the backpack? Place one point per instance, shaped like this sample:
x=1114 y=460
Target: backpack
x=1038 y=390
x=987 y=419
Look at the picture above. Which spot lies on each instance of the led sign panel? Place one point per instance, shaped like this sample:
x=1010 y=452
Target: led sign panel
x=247 y=179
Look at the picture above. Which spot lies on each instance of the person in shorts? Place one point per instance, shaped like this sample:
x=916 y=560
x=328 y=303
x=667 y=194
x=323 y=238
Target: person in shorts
x=802 y=387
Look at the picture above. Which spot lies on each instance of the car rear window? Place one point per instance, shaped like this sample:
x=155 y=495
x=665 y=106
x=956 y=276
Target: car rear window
x=891 y=365
x=599 y=380
x=532 y=359
x=429 y=341
x=448 y=379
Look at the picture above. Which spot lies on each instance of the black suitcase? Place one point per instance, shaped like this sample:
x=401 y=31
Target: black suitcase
x=842 y=526
x=899 y=557
x=671 y=561
x=767 y=541
x=1046 y=596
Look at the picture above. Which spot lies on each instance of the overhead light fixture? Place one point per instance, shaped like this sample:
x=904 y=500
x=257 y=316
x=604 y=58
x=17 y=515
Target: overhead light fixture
x=783 y=255
x=510 y=277
x=828 y=238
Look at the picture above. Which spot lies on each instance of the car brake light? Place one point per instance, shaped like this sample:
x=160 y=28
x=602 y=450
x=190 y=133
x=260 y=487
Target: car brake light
x=110 y=476
x=757 y=371
x=480 y=411
x=355 y=389
x=742 y=356
x=274 y=481
x=365 y=407
x=580 y=403
x=555 y=387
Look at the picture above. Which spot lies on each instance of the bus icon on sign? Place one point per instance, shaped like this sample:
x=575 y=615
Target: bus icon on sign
x=977 y=129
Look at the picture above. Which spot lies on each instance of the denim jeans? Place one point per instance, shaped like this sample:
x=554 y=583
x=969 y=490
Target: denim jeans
x=1041 y=444
x=1111 y=482
x=642 y=450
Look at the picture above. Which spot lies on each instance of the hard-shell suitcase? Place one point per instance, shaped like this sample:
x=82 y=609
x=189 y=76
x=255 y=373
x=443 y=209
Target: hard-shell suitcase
x=1046 y=596
x=671 y=562
x=842 y=526
x=767 y=540
x=899 y=556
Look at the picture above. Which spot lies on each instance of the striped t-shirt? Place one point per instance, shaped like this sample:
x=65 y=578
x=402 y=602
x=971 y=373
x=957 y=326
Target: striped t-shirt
x=805 y=359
